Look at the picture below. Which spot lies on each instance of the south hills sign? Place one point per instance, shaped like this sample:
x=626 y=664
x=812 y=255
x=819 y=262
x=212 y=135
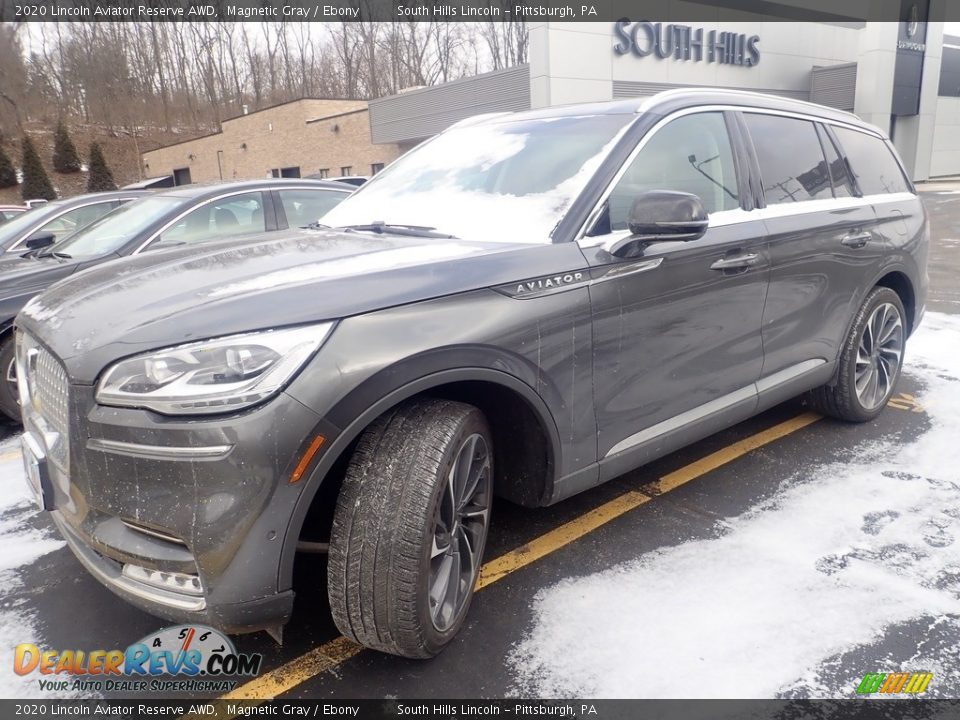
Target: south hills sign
x=685 y=42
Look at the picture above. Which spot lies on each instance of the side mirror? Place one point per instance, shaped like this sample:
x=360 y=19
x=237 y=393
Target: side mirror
x=660 y=216
x=40 y=239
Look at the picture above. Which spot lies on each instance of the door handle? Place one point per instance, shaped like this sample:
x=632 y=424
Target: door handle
x=737 y=262
x=856 y=240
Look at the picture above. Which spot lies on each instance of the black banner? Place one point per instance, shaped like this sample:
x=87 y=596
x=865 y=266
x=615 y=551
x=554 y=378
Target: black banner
x=463 y=709
x=449 y=10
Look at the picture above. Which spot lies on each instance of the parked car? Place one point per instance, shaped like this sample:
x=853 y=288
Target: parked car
x=526 y=305
x=46 y=224
x=183 y=216
x=9 y=212
x=355 y=180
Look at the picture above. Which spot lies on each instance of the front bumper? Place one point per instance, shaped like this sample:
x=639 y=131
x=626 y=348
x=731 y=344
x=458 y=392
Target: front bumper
x=203 y=502
x=231 y=618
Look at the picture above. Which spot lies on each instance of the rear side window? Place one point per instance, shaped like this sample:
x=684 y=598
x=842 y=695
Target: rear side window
x=839 y=174
x=792 y=165
x=303 y=207
x=874 y=166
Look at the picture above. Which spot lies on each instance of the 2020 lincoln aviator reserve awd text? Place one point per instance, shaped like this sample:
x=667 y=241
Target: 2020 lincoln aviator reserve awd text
x=527 y=305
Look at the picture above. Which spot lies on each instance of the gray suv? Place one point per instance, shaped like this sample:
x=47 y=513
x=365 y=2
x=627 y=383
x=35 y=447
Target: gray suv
x=527 y=305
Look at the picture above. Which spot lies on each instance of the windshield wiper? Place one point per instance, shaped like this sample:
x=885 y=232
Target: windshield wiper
x=55 y=254
x=409 y=230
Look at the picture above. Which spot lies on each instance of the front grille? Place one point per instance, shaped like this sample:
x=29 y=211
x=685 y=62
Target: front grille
x=45 y=391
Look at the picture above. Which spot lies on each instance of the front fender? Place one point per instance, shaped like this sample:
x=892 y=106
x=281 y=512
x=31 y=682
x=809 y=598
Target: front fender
x=357 y=416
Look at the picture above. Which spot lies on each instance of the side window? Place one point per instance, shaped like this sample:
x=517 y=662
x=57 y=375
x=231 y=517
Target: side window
x=303 y=207
x=690 y=154
x=792 y=165
x=78 y=218
x=873 y=164
x=229 y=217
x=839 y=174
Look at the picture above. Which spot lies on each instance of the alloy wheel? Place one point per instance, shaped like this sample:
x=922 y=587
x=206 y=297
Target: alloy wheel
x=460 y=530
x=878 y=356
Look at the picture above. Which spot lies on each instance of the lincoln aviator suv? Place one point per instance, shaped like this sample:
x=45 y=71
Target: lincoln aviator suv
x=525 y=306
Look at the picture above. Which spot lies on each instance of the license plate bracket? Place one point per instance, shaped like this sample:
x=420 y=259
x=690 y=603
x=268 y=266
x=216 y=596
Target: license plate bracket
x=37 y=469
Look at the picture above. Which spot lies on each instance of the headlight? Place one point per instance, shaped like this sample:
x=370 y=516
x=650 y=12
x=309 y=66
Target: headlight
x=211 y=376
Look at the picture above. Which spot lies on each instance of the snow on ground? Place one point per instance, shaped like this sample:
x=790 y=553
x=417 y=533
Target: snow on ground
x=840 y=558
x=21 y=543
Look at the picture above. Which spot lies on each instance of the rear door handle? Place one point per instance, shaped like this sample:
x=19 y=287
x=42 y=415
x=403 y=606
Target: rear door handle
x=856 y=240
x=737 y=262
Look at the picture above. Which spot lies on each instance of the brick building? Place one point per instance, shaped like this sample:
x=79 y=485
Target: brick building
x=295 y=139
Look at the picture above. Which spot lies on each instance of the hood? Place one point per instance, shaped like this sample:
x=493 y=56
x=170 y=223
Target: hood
x=21 y=278
x=166 y=298
x=18 y=272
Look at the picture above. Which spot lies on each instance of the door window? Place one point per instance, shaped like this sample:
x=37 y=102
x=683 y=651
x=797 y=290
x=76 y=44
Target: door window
x=792 y=165
x=690 y=154
x=303 y=207
x=75 y=219
x=873 y=164
x=229 y=217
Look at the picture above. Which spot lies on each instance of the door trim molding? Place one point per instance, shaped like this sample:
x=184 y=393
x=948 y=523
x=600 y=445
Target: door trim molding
x=717 y=405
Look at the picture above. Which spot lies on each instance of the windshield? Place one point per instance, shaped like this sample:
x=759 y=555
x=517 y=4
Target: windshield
x=116 y=229
x=13 y=229
x=502 y=182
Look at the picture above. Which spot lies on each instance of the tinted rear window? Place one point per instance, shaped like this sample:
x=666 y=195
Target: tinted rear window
x=792 y=166
x=874 y=166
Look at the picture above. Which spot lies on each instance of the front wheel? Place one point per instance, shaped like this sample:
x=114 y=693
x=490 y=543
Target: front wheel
x=9 y=402
x=410 y=527
x=870 y=362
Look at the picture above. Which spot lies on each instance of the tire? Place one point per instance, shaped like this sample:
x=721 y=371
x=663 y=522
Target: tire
x=849 y=398
x=9 y=397
x=396 y=529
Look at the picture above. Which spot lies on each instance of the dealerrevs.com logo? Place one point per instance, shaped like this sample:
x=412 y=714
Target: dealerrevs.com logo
x=186 y=658
x=894 y=683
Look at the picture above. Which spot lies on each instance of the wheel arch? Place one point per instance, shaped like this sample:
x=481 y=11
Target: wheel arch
x=510 y=404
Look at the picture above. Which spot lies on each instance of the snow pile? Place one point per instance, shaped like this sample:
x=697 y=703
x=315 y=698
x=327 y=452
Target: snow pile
x=836 y=559
x=21 y=543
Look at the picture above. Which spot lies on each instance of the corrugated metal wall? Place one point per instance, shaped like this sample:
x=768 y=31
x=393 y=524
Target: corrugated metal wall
x=835 y=85
x=634 y=88
x=420 y=114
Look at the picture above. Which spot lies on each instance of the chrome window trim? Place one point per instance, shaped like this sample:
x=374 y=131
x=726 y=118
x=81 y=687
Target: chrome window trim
x=247 y=191
x=99 y=201
x=738 y=215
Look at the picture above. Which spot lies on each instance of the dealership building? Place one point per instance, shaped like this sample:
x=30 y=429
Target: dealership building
x=901 y=76
x=323 y=137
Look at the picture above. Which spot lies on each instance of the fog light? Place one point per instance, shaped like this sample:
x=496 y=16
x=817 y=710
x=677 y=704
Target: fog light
x=172 y=581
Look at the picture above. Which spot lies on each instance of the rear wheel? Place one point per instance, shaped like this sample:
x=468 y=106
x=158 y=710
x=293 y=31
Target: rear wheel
x=870 y=362
x=9 y=403
x=410 y=527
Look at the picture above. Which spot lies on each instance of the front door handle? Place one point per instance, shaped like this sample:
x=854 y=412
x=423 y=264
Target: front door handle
x=737 y=262
x=856 y=240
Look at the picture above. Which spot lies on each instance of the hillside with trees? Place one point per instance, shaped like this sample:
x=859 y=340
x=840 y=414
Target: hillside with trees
x=135 y=86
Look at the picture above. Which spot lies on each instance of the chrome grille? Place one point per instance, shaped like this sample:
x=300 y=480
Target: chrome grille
x=45 y=396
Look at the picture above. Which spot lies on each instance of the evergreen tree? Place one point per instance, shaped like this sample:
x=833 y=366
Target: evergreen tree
x=8 y=174
x=65 y=157
x=36 y=184
x=100 y=178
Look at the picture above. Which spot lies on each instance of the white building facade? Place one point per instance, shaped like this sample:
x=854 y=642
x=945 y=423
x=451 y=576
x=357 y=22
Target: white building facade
x=903 y=77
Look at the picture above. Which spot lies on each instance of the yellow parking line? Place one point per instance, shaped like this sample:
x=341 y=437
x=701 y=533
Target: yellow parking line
x=329 y=655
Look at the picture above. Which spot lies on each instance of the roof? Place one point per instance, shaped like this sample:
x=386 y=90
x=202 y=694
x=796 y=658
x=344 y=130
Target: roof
x=201 y=189
x=670 y=101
